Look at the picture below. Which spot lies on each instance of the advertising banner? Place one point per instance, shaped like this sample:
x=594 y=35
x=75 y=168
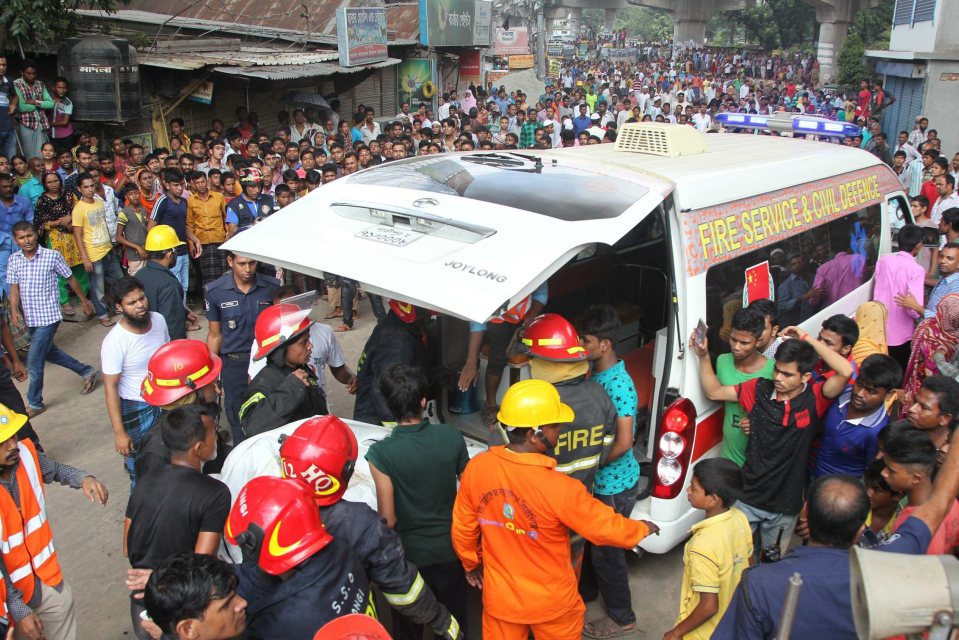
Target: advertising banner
x=555 y=48
x=361 y=35
x=524 y=61
x=455 y=23
x=203 y=94
x=414 y=82
x=495 y=76
x=512 y=41
x=470 y=65
x=554 y=65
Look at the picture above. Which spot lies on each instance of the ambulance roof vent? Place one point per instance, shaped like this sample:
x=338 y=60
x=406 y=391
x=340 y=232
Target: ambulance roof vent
x=660 y=139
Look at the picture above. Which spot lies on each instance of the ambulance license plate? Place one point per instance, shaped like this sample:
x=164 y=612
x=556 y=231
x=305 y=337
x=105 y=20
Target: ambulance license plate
x=389 y=235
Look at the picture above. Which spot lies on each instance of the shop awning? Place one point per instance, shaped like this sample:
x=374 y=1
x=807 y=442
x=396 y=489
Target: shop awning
x=292 y=72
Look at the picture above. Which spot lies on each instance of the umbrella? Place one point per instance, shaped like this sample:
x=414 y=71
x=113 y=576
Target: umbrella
x=307 y=100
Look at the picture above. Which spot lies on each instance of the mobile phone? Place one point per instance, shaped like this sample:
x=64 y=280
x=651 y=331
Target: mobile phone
x=700 y=331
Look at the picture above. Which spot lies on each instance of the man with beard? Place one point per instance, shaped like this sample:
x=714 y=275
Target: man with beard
x=125 y=354
x=41 y=603
x=108 y=170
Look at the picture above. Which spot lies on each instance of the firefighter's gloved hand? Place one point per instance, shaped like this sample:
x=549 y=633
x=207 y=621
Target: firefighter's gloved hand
x=447 y=626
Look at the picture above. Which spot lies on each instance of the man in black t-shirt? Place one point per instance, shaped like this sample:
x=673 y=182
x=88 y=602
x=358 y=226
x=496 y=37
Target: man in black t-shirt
x=175 y=508
x=785 y=415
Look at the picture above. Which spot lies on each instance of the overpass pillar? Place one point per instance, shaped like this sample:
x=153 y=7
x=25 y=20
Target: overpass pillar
x=610 y=20
x=575 y=20
x=832 y=35
x=688 y=29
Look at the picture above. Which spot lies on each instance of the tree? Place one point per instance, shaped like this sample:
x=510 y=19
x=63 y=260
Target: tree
x=851 y=66
x=774 y=24
x=43 y=23
x=647 y=25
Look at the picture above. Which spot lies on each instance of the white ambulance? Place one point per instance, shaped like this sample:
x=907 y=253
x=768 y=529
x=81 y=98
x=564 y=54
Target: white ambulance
x=664 y=225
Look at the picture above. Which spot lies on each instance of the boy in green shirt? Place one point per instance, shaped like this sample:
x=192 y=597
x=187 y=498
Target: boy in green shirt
x=415 y=471
x=720 y=548
x=743 y=362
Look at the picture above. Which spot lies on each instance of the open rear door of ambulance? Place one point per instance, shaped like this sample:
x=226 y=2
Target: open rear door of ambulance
x=465 y=235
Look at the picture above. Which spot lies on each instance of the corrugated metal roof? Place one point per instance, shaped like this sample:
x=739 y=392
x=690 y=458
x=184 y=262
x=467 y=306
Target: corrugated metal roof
x=293 y=72
x=292 y=20
x=244 y=57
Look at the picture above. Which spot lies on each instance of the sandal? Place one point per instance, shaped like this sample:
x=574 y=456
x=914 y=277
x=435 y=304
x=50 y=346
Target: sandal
x=193 y=327
x=107 y=321
x=334 y=314
x=343 y=328
x=606 y=628
x=68 y=309
x=89 y=383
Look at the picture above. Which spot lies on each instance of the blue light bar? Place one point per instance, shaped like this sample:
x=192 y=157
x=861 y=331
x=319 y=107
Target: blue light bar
x=742 y=120
x=783 y=122
x=826 y=127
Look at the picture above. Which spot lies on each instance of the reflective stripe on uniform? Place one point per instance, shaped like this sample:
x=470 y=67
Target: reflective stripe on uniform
x=578 y=465
x=36 y=482
x=45 y=554
x=408 y=598
x=21 y=573
x=256 y=397
x=454 y=628
x=608 y=439
x=179 y=383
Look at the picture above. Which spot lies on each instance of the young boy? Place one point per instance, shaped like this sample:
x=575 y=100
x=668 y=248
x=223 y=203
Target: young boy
x=883 y=507
x=910 y=458
x=785 y=415
x=415 y=471
x=770 y=340
x=840 y=334
x=717 y=553
x=617 y=482
x=132 y=229
x=743 y=362
x=851 y=426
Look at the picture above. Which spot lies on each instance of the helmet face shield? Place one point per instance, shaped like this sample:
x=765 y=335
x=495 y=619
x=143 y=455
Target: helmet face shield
x=294 y=310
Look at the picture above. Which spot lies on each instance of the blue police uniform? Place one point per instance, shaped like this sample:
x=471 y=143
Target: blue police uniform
x=243 y=213
x=237 y=313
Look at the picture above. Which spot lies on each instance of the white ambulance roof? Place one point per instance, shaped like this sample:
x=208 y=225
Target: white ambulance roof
x=736 y=165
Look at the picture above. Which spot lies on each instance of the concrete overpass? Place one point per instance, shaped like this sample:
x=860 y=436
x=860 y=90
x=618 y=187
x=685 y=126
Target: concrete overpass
x=690 y=18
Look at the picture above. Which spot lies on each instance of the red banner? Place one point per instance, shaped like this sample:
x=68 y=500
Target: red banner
x=470 y=65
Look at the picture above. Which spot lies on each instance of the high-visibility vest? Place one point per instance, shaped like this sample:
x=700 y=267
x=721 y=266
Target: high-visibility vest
x=515 y=314
x=25 y=537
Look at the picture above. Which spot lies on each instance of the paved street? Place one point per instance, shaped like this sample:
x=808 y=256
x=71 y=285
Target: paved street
x=75 y=430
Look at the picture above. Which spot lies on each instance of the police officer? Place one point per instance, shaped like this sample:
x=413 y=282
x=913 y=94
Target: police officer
x=233 y=303
x=252 y=204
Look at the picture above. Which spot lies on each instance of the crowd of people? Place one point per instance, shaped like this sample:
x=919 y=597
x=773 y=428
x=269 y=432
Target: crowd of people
x=840 y=438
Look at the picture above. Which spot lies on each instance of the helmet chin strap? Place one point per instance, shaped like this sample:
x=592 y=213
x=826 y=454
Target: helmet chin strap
x=542 y=438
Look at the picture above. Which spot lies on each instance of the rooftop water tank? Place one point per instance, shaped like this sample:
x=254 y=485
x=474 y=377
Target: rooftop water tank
x=104 y=78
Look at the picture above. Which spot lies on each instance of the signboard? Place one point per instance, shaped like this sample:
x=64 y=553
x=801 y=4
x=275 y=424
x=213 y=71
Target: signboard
x=524 y=61
x=495 y=76
x=361 y=35
x=470 y=65
x=729 y=230
x=483 y=24
x=203 y=94
x=554 y=66
x=511 y=41
x=583 y=49
x=455 y=23
x=414 y=80
x=555 y=48
x=145 y=140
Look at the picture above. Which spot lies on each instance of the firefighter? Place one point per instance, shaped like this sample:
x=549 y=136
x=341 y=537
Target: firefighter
x=398 y=339
x=498 y=332
x=512 y=518
x=42 y=604
x=583 y=444
x=181 y=372
x=322 y=454
x=286 y=389
x=295 y=575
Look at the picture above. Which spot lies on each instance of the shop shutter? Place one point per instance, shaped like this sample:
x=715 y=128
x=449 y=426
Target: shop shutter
x=925 y=10
x=388 y=78
x=901 y=115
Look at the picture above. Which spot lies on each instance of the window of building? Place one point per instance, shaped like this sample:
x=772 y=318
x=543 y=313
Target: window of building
x=810 y=271
x=912 y=11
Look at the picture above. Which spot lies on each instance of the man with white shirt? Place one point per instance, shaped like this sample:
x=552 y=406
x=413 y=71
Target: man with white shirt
x=702 y=120
x=653 y=108
x=405 y=114
x=948 y=198
x=911 y=152
x=370 y=129
x=919 y=135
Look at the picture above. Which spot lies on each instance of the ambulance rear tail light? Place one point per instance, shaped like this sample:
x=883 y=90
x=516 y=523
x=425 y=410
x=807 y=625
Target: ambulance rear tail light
x=677 y=429
x=789 y=123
